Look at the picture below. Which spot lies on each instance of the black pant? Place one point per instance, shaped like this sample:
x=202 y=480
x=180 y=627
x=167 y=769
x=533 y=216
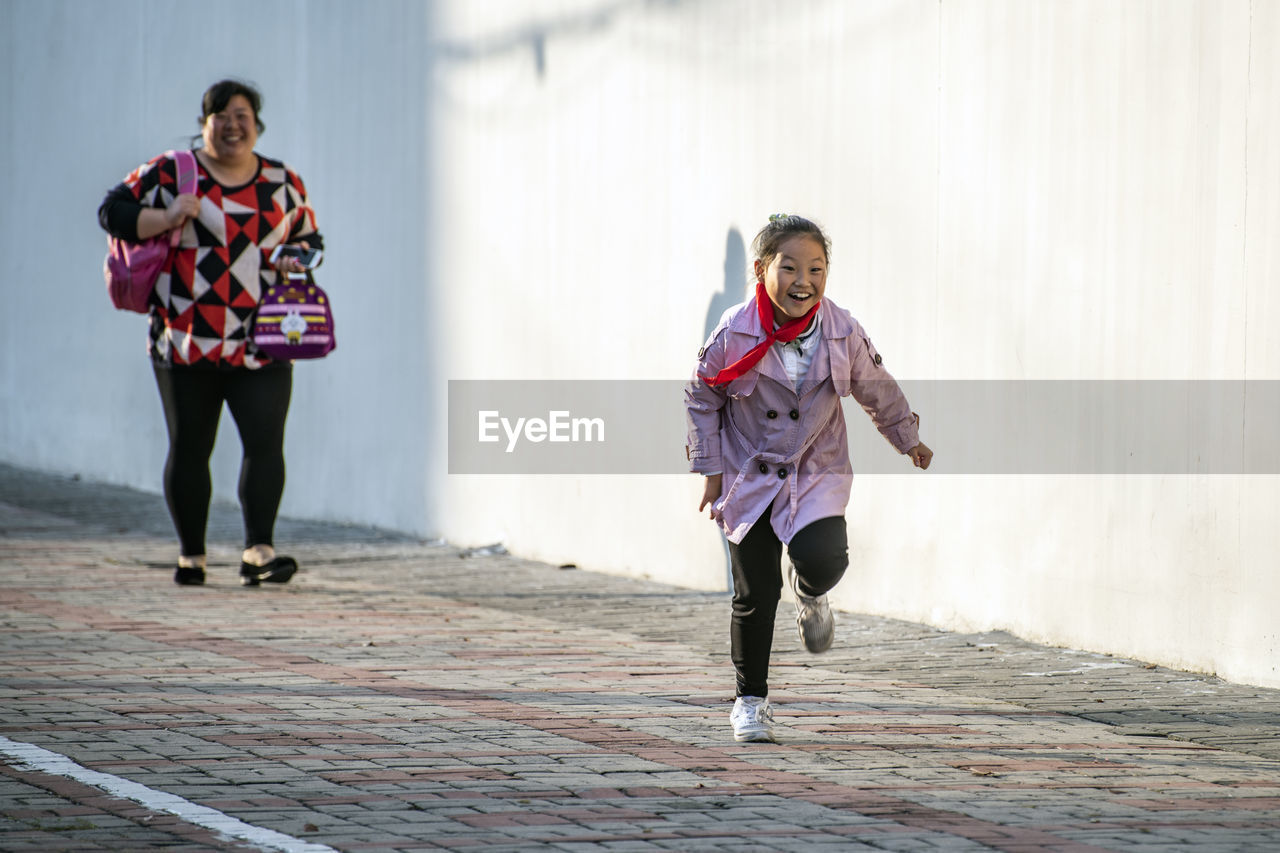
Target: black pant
x=820 y=554
x=259 y=402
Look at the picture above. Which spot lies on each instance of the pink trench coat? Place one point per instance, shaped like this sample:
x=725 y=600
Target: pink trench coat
x=780 y=446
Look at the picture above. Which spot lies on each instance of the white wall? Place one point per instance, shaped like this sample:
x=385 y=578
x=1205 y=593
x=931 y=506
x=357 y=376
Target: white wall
x=1016 y=190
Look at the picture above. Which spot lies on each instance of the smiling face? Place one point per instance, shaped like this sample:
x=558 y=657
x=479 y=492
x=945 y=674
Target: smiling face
x=795 y=278
x=231 y=133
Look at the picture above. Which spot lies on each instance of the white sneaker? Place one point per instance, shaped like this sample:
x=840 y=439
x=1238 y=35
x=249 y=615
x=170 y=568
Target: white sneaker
x=813 y=616
x=752 y=719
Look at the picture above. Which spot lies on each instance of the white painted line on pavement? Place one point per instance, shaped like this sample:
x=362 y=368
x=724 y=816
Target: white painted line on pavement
x=30 y=757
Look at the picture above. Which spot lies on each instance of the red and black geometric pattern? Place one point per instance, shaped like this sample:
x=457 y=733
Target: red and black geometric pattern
x=204 y=301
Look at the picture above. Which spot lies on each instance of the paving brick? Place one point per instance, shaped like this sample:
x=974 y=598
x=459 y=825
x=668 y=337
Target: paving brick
x=399 y=695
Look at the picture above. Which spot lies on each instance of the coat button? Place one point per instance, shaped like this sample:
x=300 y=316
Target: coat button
x=771 y=414
x=877 y=359
x=782 y=473
x=795 y=416
x=764 y=469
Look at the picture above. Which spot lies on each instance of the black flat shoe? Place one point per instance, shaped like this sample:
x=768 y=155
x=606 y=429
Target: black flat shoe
x=189 y=577
x=278 y=570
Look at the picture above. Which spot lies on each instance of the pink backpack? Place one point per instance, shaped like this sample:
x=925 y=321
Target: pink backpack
x=131 y=269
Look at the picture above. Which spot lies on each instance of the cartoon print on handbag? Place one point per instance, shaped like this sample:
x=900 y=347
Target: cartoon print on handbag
x=294 y=321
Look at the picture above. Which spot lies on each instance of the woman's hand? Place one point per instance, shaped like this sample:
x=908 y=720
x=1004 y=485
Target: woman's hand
x=286 y=264
x=711 y=492
x=921 y=456
x=153 y=221
x=184 y=207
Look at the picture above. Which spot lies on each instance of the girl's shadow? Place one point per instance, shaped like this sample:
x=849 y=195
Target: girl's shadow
x=735 y=278
x=733 y=292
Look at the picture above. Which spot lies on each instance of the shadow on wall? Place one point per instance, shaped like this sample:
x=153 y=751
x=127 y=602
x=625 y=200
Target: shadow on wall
x=735 y=278
x=535 y=36
x=731 y=293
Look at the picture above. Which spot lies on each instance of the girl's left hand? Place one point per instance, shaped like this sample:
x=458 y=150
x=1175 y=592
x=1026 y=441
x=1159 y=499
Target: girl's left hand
x=921 y=456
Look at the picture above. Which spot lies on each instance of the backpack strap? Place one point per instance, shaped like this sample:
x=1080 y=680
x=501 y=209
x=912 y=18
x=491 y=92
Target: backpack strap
x=188 y=175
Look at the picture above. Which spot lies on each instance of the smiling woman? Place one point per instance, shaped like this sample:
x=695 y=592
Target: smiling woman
x=243 y=208
x=229 y=129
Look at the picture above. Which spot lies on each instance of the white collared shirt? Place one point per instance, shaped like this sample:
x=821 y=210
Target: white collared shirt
x=797 y=355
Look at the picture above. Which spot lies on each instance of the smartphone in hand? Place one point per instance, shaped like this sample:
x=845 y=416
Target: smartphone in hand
x=309 y=258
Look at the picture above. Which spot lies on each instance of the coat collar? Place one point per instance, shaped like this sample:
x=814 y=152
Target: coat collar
x=836 y=322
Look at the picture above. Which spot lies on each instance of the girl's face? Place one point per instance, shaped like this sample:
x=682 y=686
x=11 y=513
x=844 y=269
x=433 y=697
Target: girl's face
x=230 y=135
x=795 y=278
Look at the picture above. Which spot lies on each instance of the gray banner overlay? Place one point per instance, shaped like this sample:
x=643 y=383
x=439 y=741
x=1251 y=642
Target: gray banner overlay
x=1050 y=427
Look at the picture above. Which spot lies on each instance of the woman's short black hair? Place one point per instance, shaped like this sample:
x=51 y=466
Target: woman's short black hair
x=216 y=98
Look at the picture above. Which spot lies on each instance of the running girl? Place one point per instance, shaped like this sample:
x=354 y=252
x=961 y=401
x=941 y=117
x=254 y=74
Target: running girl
x=766 y=429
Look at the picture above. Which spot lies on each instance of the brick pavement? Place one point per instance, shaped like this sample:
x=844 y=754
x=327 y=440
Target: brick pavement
x=400 y=695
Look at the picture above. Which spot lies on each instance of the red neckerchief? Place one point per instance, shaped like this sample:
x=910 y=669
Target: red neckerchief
x=785 y=333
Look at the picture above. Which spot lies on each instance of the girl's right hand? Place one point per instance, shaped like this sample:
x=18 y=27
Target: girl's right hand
x=711 y=493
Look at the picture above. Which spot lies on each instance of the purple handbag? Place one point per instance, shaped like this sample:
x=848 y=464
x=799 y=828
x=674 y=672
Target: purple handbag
x=131 y=269
x=294 y=320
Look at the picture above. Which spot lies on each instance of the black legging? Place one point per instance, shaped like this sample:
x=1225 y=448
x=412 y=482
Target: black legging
x=820 y=553
x=259 y=402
